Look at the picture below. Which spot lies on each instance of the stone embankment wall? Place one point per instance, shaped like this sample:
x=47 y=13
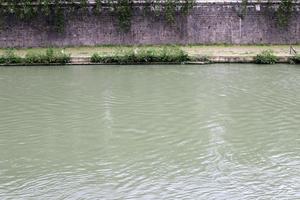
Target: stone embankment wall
x=208 y=23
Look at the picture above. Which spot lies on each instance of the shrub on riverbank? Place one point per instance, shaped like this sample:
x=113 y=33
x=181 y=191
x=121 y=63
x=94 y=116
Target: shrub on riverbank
x=266 y=57
x=295 y=59
x=49 y=57
x=10 y=57
x=147 y=55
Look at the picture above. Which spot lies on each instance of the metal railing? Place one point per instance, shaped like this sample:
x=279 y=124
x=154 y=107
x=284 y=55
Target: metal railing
x=292 y=50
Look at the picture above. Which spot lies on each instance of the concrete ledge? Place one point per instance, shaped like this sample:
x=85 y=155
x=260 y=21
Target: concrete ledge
x=243 y=59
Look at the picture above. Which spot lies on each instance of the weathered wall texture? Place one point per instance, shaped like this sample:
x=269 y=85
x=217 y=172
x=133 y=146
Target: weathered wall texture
x=208 y=23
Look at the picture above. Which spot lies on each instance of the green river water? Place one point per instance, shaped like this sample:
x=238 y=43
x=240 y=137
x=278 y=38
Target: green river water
x=150 y=132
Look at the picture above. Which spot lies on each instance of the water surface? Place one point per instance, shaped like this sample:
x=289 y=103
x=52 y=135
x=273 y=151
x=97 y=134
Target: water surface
x=150 y=132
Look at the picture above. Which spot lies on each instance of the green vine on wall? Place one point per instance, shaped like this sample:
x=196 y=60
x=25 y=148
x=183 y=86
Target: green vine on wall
x=56 y=10
x=59 y=19
x=284 y=12
x=243 y=10
x=124 y=11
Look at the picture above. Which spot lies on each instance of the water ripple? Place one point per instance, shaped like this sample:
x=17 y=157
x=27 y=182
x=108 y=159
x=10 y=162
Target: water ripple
x=155 y=132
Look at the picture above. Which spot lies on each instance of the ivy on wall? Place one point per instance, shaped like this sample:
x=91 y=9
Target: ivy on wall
x=55 y=11
x=283 y=13
x=243 y=10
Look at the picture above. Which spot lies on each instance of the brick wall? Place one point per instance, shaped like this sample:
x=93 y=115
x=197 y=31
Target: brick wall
x=208 y=23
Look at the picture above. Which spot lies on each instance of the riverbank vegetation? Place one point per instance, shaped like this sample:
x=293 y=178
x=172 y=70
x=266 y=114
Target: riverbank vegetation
x=266 y=57
x=50 y=56
x=146 y=55
x=295 y=59
x=192 y=54
x=201 y=50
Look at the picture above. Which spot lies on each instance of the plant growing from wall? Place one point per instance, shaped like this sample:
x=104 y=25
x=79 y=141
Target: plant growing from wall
x=55 y=11
x=98 y=6
x=170 y=10
x=58 y=17
x=284 y=12
x=187 y=6
x=124 y=10
x=243 y=10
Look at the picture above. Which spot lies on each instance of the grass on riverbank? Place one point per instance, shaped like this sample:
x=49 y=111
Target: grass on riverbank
x=295 y=59
x=266 y=57
x=50 y=56
x=191 y=50
x=147 y=55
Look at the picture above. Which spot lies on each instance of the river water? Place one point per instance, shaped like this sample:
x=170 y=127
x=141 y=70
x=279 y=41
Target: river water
x=150 y=132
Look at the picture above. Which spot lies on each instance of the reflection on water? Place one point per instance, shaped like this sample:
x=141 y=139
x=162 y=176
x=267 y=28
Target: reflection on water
x=150 y=132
